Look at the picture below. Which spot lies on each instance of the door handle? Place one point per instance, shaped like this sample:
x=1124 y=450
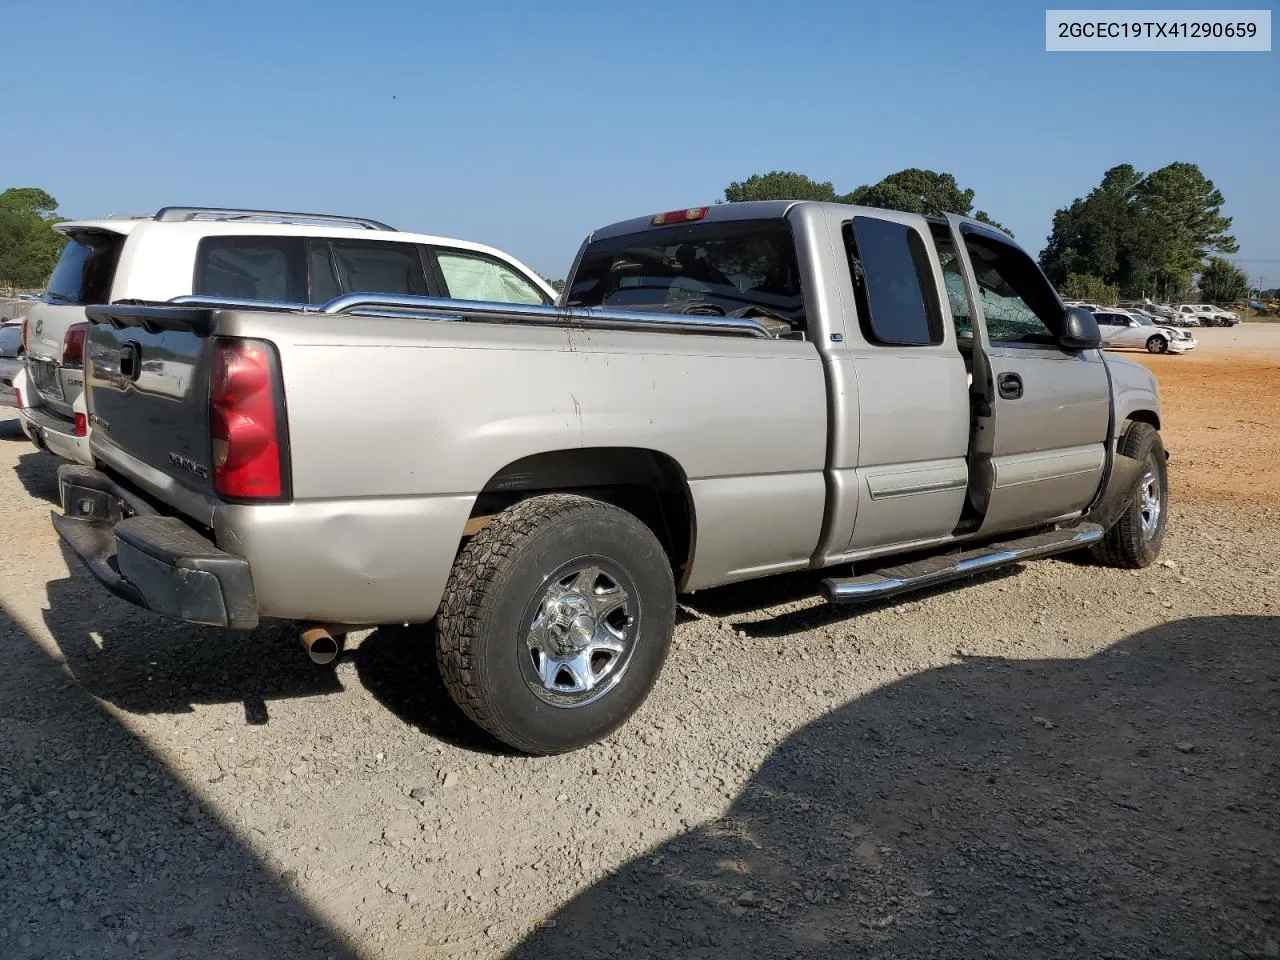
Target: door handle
x=1010 y=386
x=130 y=360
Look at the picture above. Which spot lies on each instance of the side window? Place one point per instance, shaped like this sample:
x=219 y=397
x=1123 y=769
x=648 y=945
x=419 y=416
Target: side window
x=892 y=282
x=379 y=267
x=324 y=281
x=251 y=268
x=470 y=276
x=1017 y=301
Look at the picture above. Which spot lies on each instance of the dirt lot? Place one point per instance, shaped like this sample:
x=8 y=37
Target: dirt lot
x=1057 y=761
x=1221 y=402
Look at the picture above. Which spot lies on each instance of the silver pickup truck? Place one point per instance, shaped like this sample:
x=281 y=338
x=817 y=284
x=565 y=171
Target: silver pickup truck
x=722 y=393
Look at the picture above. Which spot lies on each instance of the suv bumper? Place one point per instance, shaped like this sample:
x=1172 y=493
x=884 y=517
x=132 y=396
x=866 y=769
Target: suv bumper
x=48 y=431
x=156 y=562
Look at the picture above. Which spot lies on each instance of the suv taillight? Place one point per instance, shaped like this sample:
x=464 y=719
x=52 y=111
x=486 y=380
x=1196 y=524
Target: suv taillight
x=73 y=345
x=246 y=421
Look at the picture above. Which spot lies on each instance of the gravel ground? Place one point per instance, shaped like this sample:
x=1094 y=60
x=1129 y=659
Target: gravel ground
x=1060 y=760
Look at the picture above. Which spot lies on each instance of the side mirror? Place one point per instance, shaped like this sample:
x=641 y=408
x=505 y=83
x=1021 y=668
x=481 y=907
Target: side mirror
x=1079 y=330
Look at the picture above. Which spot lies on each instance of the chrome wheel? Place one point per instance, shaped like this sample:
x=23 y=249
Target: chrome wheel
x=1149 y=492
x=580 y=633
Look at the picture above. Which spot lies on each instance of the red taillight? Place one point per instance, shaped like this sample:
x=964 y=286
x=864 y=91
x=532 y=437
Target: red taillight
x=73 y=345
x=680 y=216
x=82 y=425
x=17 y=397
x=244 y=422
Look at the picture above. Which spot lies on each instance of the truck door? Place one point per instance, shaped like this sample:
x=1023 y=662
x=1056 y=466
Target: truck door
x=1040 y=412
x=912 y=394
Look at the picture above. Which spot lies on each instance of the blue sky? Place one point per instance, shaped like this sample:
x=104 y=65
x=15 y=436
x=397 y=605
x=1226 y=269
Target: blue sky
x=526 y=125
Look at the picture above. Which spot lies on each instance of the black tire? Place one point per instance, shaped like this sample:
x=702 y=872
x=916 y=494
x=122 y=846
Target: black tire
x=1129 y=544
x=1157 y=344
x=496 y=592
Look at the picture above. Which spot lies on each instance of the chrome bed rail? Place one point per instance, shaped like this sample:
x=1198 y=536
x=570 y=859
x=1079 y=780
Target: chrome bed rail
x=481 y=311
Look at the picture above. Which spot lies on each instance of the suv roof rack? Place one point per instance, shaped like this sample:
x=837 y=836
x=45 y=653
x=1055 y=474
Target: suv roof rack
x=175 y=214
x=127 y=216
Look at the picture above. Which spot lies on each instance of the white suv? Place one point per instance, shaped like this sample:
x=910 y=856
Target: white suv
x=258 y=255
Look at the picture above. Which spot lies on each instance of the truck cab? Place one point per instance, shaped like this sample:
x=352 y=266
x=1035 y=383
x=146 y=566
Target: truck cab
x=961 y=402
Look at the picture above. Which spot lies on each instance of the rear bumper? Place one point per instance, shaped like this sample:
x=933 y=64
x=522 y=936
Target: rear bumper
x=159 y=563
x=48 y=431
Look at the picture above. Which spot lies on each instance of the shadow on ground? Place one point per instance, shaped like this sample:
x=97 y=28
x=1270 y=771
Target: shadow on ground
x=10 y=429
x=105 y=854
x=1127 y=805
x=147 y=664
x=144 y=663
x=788 y=589
x=37 y=471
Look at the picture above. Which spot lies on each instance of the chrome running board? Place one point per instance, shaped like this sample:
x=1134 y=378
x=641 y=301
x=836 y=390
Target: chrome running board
x=943 y=569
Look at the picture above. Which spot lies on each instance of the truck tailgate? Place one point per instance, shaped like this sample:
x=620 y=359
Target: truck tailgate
x=148 y=388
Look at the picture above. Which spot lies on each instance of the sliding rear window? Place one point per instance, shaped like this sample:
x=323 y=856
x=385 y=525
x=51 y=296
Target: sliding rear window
x=86 y=268
x=740 y=267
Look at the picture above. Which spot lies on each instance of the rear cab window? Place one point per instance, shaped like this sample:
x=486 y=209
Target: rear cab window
x=86 y=268
x=724 y=267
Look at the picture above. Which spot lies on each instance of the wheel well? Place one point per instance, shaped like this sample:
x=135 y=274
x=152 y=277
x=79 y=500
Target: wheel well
x=1145 y=416
x=648 y=484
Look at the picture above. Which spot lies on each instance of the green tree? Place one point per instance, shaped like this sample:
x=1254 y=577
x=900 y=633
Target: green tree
x=912 y=190
x=920 y=191
x=1143 y=234
x=1082 y=286
x=778 y=185
x=1222 y=282
x=29 y=246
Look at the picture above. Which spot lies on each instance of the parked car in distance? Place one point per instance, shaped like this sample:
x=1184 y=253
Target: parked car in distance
x=1199 y=314
x=11 y=339
x=1159 y=312
x=722 y=393
x=243 y=255
x=1221 y=316
x=1128 y=328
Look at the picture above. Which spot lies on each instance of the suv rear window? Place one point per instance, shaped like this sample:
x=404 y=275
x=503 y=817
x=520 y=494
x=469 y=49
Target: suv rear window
x=725 y=267
x=85 y=270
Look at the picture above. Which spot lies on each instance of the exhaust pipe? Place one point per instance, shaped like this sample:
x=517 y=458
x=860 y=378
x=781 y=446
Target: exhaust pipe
x=321 y=645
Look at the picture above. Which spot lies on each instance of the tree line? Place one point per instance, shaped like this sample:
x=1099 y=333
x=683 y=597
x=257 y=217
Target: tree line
x=1133 y=235
x=29 y=246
